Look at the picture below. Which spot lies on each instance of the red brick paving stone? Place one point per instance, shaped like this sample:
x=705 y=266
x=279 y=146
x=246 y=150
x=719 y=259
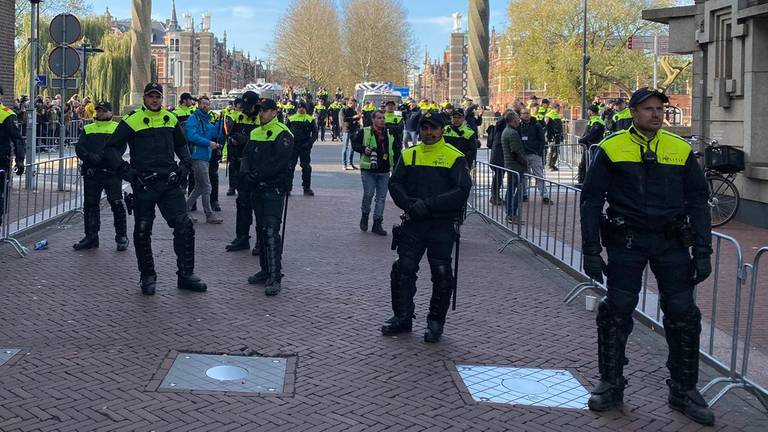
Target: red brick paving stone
x=95 y=342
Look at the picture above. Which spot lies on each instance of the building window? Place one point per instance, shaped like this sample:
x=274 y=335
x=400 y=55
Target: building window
x=723 y=46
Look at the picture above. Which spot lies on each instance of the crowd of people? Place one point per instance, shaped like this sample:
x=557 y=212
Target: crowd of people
x=655 y=192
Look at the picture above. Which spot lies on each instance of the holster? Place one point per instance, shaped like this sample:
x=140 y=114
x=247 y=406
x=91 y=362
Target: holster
x=681 y=230
x=614 y=232
x=396 y=230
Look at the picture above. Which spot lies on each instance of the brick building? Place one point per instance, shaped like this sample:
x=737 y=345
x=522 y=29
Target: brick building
x=7 y=21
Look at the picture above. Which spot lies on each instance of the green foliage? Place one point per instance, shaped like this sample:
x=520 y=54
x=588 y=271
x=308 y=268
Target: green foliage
x=544 y=45
x=108 y=72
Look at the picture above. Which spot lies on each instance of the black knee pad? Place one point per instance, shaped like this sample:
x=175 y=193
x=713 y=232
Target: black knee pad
x=442 y=274
x=184 y=226
x=142 y=231
x=608 y=316
x=680 y=307
x=406 y=267
x=117 y=205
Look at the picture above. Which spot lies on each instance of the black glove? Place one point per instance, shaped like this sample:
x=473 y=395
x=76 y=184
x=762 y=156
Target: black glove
x=19 y=169
x=594 y=267
x=418 y=210
x=127 y=173
x=701 y=268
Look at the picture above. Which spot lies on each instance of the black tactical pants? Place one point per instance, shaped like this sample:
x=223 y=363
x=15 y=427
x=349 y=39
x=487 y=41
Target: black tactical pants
x=213 y=174
x=94 y=183
x=321 y=128
x=303 y=157
x=628 y=255
x=173 y=207
x=436 y=238
x=5 y=178
x=268 y=203
x=243 y=211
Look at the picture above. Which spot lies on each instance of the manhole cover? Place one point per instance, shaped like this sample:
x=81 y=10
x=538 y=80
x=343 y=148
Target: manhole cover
x=524 y=386
x=7 y=354
x=556 y=388
x=208 y=372
x=227 y=373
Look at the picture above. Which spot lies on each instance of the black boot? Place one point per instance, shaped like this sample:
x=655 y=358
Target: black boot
x=308 y=192
x=364 y=222
x=612 y=334
x=215 y=207
x=434 y=331
x=121 y=225
x=142 y=245
x=184 y=247
x=442 y=288
x=377 y=228
x=148 y=284
x=91 y=224
x=231 y=192
x=261 y=277
x=240 y=243
x=272 y=250
x=682 y=336
x=402 y=288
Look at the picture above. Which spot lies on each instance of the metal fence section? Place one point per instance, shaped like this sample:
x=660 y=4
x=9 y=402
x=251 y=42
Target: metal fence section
x=56 y=191
x=555 y=229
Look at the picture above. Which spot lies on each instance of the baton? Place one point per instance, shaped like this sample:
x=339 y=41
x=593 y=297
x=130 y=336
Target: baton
x=285 y=216
x=456 y=266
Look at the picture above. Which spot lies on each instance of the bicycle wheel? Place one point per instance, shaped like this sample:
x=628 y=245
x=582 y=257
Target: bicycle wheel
x=723 y=199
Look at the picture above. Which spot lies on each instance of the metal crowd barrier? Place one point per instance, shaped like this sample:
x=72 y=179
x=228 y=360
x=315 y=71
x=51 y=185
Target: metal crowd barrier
x=555 y=231
x=56 y=191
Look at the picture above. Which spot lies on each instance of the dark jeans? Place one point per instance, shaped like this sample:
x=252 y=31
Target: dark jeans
x=374 y=184
x=213 y=176
x=514 y=192
x=346 y=149
x=498 y=178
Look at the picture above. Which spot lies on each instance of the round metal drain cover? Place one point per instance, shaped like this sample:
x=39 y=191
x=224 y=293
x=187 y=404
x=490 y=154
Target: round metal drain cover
x=524 y=386
x=227 y=373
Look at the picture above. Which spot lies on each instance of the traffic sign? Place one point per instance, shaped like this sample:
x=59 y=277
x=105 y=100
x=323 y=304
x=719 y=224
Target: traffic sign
x=64 y=61
x=69 y=83
x=41 y=81
x=645 y=43
x=404 y=91
x=65 y=29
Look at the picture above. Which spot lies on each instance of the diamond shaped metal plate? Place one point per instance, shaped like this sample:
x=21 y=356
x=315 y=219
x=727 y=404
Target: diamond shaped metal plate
x=7 y=354
x=556 y=388
x=206 y=372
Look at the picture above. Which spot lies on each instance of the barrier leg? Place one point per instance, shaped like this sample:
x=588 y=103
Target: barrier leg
x=18 y=247
x=580 y=288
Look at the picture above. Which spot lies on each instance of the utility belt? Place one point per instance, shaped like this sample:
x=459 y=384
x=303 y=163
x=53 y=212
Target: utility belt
x=616 y=232
x=92 y=172
x=406 y=221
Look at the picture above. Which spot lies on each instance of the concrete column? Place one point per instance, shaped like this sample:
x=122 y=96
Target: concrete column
x=141 y=55
x=477 y=68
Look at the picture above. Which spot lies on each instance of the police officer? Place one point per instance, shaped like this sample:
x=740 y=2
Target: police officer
x=333 y=113
x=431 y=184
x=233 y=162
x=394 y=122
x=622 y=119
x=367 y=112
x=658 y=214
x=11 y=148
x=593 y=135
x=154 y=135
x=185 y=109
x=304 y=132
x=321 y=115
x=266 y=170
x=459 y=135
x=554 y=130
x=97 y=178
x=246 y=122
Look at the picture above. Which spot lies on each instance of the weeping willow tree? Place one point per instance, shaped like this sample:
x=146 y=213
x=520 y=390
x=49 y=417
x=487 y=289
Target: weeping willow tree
x=108 y=72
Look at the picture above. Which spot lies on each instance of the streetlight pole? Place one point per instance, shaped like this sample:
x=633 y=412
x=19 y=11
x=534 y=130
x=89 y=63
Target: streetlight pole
x=34 y=14
x=584 y=61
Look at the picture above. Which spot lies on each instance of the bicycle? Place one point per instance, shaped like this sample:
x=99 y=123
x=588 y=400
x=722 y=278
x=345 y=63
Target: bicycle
x=721 y=164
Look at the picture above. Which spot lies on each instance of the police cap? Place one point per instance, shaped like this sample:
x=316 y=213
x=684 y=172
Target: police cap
x=457 y=112
x=186 y=96
x=267 y=104
x=644 y=93
x=104 y=105
x=249 y=99
x=433 y=118
x=153 y=87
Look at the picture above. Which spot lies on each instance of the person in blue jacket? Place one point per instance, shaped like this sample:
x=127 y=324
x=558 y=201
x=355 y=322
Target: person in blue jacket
x=202 y=136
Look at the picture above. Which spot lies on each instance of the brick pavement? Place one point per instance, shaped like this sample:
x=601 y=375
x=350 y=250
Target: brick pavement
x=92 y=344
